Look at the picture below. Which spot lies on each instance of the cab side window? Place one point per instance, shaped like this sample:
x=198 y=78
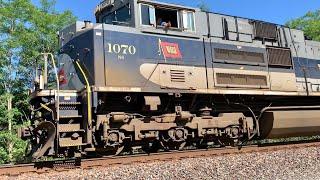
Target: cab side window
x=147 y=15
x=121 y=16
x=188 y=21
x=108 y=19
x=167 y=17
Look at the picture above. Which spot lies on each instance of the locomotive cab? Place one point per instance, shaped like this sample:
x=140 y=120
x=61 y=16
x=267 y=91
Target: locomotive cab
x=163 y=76
x=150 y=16
x=115 y=12
x=157 y=16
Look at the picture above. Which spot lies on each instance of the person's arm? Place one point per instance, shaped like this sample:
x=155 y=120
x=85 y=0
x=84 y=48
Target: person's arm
x=169 y=24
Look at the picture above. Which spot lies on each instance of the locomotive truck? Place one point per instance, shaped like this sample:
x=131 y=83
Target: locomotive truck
x=206 y=79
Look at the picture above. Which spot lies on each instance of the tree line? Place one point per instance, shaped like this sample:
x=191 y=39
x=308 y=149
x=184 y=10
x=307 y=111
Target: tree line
x=26 y=30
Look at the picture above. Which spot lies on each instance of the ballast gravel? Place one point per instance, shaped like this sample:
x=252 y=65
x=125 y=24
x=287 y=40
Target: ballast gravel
x=284 y=164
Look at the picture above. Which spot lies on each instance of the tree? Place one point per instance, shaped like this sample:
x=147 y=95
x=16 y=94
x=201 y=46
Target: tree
x=25 y=31
x=18 y=148
x=204 y=6
x=309 y=23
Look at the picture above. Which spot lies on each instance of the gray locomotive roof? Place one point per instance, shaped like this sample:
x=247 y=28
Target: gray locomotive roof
x=179 y=6
x=167 y=4
x=105 y=3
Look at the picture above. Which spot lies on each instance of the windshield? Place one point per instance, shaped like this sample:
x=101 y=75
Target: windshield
x=121 y=16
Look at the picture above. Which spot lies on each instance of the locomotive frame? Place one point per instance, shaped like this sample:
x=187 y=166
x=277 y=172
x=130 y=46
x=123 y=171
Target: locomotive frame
x=208 y=79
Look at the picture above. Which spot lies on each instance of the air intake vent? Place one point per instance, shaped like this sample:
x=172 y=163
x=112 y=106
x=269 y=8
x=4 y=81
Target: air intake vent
x=241 y=80
x=265 y=30
x=241 y=56
x=279 y=57
x=177 y=76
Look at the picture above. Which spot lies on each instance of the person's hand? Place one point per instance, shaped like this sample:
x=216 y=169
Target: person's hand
x=167 y=25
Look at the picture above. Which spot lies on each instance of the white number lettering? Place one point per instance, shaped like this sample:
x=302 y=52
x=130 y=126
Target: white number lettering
x=122 y=49
x=116 y=48
x=132 y=50
x=109 y=48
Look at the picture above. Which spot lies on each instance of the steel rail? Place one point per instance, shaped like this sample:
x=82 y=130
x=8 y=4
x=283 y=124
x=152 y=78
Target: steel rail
x=67 y=165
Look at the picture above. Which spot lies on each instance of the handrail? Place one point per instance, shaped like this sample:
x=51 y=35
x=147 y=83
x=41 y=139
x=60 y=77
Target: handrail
x=57 y=81
x=88 y=94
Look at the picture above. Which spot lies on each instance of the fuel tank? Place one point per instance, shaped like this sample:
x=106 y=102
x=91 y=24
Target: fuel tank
x=283 y=124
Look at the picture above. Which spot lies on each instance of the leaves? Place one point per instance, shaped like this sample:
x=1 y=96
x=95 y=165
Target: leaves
x=309 y=23
x=18 y=147
x=204 y=6
x=26 y=31
x=5 y=114
x=48 y=5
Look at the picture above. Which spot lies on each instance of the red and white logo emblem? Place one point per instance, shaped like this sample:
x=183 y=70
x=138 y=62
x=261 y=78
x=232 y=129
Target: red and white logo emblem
x=170 y=50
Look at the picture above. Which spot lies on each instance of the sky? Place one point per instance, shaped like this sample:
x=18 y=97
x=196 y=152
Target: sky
x=276 y=11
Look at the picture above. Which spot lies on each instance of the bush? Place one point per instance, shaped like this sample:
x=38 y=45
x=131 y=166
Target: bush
x=17 y=151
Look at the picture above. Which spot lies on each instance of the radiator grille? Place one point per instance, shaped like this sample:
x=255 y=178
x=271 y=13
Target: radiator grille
x=242 y=56
x=279 y=57
x=177 y=76
x=265 y=30
x=241 y=79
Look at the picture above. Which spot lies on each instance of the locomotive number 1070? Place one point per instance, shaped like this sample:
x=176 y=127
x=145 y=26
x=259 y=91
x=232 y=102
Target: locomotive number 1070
x=121 y=49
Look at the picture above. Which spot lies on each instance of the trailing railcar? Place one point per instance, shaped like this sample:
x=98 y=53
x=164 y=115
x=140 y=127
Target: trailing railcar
x=165 y=76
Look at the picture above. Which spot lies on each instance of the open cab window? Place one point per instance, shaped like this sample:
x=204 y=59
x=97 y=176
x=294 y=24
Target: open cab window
x=169 y=18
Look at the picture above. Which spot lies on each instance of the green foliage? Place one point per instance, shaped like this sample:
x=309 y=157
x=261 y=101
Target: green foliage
x=18 y=148
x=204 y=6
x=26 y=31
x=5 y=114
x=48 y=5
x=309 y=23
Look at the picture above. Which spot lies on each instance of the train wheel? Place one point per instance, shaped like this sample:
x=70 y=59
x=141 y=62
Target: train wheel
x=115 y=143
x=118 y=150
x=110 y=151
x=153 y=147
x=175 y=139
x=173 y=146
x=201 y=144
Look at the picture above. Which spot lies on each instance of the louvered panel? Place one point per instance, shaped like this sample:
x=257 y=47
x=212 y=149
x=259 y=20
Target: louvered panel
x=237 y=55
x=279 y=57
x=257 y=80
x=241 y=56
x=177 y=76
x=223 y=78
x=241 y=80
x=265 y=30
x=221 y=53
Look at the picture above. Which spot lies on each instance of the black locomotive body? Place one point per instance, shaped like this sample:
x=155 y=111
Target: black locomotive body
x=199 y=78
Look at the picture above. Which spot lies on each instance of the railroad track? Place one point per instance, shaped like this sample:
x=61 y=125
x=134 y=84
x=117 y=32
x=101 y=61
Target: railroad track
x=66 y=165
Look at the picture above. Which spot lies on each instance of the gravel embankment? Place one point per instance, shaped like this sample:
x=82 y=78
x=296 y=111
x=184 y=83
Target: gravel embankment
x=286 y=164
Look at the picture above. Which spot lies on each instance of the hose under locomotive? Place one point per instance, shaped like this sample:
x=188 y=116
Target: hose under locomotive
x=125 y=85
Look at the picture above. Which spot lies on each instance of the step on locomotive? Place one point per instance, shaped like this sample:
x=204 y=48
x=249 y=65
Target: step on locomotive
x=162 y=76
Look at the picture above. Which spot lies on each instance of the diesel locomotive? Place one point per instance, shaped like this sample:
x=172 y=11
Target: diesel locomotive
x=156 y=75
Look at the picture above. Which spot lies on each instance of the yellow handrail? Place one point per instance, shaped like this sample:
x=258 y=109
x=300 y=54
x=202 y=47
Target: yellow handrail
x=88 y=94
